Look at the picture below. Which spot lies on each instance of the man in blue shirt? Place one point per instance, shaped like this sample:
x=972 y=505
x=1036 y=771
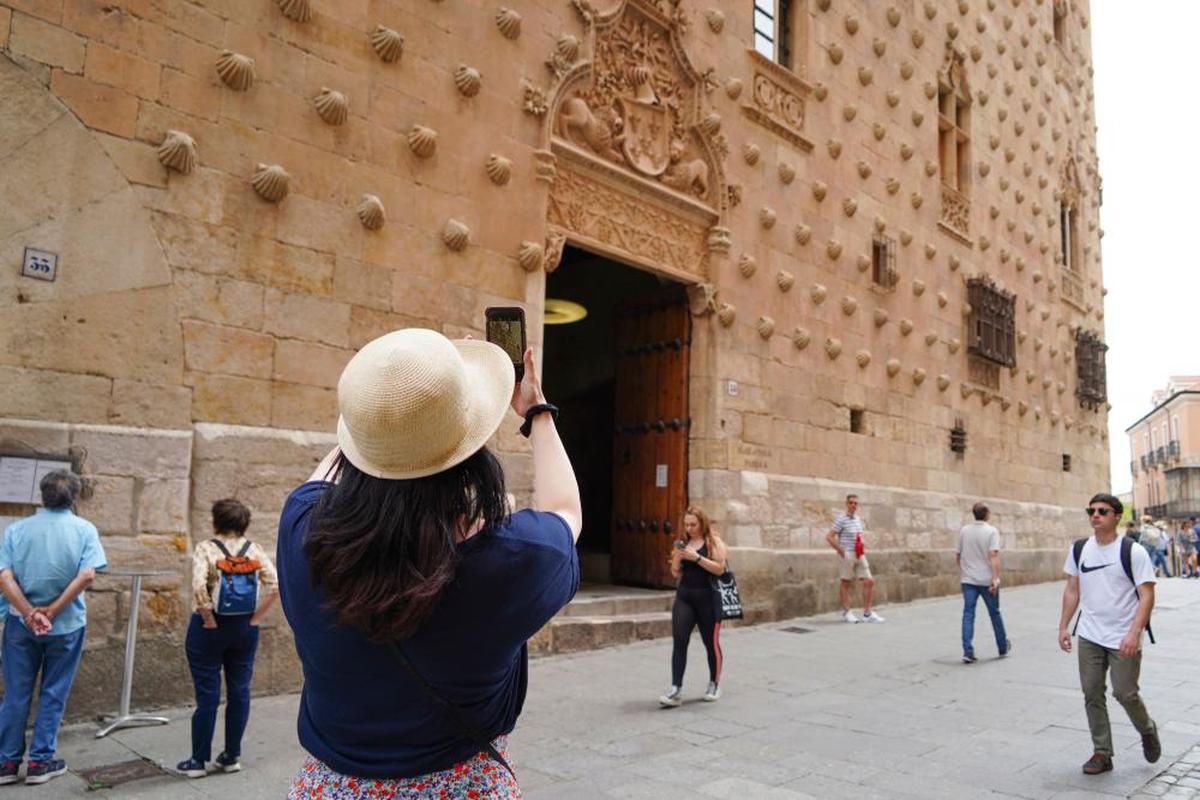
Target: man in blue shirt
x=46 y=563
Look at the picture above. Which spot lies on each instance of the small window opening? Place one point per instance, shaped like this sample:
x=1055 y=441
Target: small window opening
x=958 y=437
x=856 y=420
x=1066 y=462
x=1060 y=22
x=883 y=262
x=772 y=30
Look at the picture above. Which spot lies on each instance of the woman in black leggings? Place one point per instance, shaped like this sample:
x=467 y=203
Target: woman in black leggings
x=695 y=561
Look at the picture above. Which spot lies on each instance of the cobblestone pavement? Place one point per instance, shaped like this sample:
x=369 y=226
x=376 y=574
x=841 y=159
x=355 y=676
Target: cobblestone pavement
x=844 y=711
x=1181 y=779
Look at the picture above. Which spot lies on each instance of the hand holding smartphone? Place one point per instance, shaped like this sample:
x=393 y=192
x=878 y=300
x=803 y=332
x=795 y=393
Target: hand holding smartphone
x=506 y=328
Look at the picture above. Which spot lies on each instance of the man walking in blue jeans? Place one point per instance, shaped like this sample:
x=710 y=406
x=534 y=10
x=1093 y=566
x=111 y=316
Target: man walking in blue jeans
x=979 y=561
x=46 y=563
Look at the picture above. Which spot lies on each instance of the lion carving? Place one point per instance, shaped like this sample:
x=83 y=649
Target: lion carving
x=598 y=131
x=689 y=176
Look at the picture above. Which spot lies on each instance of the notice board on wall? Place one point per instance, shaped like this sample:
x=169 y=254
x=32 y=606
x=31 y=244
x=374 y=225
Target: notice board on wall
x=20 y=476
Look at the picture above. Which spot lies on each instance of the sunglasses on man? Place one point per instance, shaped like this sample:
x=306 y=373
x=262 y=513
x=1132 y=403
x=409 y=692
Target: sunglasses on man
x=1104 y=512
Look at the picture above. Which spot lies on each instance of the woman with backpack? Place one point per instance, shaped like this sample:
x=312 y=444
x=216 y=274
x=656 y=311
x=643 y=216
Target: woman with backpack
x=410 y=588
x=233 y=585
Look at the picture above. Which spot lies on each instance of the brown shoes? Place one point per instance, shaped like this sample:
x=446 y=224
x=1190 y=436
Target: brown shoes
x=1151 y=746
x=1097 y=763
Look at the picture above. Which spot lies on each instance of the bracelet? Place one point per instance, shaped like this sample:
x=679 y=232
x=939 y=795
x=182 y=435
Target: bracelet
x=540 y=408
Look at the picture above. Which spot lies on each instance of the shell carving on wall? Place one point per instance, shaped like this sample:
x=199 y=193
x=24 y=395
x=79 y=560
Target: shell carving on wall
x=893 y=367
x=509 y=23
x=765 y=327
x=178 y=152
x=747 y=265
x=271 y=182
x=498 y=168
x=726 y=314
x=530 y=256
x=422 y=141
x=456 y=235
x=236 y=70
x=332 y=106
x=784 y=280
x=801 y=338
x=370 y=212
x=468 y=80
x=863 y=357
x=296 y=10
x=389 y=44
x=833 y=347
x=716 y=20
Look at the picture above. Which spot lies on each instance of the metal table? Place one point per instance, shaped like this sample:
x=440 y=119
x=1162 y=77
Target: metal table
x=123 y=718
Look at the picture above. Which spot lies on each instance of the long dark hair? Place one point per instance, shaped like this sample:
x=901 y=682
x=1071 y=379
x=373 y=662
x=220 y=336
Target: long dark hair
x=383 y=550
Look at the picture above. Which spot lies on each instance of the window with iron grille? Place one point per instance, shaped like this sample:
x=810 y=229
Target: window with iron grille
x=772 y=30
x=1090 y=370
x=1060 y=21
x=992 y=330
x=883 y=262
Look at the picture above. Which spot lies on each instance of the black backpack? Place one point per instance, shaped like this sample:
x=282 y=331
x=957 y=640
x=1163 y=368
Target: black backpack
x=1126 y=564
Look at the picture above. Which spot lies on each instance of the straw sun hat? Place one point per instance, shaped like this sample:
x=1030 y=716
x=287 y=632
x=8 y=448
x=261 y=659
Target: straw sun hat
x=414 y=403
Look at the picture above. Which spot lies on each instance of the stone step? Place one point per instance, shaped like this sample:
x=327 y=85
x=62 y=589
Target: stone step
x=572 y=633
x=609 y=605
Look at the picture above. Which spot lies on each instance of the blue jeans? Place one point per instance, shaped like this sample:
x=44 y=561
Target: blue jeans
x=232 y=645
x=1159 y=559
x=972 y=593
x=24 y=654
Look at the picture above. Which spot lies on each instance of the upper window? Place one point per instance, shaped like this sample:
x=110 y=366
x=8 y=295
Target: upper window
x=954 y=124
x=1060 y=21
x=992 y=332
x=1091 y=372
x=883 y=262
x=773 y=30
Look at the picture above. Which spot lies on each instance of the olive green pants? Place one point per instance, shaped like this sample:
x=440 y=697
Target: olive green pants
x=1095 y=662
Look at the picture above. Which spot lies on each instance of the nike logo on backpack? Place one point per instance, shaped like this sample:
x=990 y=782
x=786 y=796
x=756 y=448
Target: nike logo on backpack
x=1085 y=568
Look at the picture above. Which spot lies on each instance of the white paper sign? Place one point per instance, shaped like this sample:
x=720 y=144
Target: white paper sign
x=16 y=479
x=660 y=476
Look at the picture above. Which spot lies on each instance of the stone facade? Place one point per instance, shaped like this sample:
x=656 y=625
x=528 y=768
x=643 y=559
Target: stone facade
x=228 y=232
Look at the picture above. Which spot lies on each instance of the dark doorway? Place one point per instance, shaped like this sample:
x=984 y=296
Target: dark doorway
x=586 y=364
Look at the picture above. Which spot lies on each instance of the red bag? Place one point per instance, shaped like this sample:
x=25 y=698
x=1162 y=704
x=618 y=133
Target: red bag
x=859 y=550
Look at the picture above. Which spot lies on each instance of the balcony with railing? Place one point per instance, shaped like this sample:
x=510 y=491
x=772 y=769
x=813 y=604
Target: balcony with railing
x=1160 y=455
x=1133 y=468
x=1173 y=448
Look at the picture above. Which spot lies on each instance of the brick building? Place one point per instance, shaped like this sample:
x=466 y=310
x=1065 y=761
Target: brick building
x=821 y=245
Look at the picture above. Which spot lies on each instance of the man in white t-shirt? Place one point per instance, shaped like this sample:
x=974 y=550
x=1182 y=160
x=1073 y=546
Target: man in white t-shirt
x=1115 y=610
x=979 y=562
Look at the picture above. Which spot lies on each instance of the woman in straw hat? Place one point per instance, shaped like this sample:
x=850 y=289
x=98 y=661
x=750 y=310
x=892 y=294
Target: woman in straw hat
x=410 y=589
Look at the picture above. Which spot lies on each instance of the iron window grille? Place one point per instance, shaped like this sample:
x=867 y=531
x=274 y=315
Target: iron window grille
x=1092 y=390
x=883 y=262
x=992 y=330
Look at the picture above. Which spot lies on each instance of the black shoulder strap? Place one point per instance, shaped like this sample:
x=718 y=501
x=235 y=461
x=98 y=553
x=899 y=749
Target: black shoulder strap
x=1077 y=550
x=245 y=549
x=452 y=712
x=1127 y=565
x=222 y=547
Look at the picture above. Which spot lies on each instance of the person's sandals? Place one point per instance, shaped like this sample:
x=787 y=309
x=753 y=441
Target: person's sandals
x=1151 y=746
x=1098 y=763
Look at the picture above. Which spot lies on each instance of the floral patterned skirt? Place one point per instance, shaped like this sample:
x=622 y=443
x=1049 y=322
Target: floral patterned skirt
x=478 y=778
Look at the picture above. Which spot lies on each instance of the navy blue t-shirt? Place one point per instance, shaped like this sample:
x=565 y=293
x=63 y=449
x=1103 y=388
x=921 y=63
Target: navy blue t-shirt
x=360 y=712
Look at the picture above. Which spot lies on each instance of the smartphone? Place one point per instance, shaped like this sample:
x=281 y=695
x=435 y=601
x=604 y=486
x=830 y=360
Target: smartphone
x=506 y=328
x=679 y=545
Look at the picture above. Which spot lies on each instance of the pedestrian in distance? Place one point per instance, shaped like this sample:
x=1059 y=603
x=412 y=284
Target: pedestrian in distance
x=1162 y=557
x=47 y=562
x=1132 y=532
x=846 y=538
x=228 y=572
x=1152 y=536
x=1187 y=542
x=978 y=558
x=695 y=561
x=410 y=588
x=1111 y=582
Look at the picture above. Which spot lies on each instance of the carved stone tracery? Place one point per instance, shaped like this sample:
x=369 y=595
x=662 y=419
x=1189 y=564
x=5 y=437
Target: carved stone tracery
x=777 y=101
x=626 y=126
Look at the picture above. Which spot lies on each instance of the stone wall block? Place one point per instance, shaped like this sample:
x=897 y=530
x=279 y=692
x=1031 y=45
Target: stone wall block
x=309 y=363
x=262 y=487
x=247 y=445
x=46 y=43
x=228 y=351
x=17 y=435
x=136 y=403
x=163 y=507
x=754 y=483
x=135 y=452
x=100 y=107
x=299 y=316
x=60 y=396
x=147 y=552
x=111 y=506
x=227 y=399
x=125 y=71
x=295 y=405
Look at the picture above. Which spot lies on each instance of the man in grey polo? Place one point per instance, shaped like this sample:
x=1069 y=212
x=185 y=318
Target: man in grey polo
x=979 y=562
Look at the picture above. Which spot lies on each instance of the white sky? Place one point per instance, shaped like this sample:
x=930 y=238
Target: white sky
x=1147 y=60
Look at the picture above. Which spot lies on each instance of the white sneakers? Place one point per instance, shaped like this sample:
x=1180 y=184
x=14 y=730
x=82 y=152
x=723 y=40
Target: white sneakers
x=850 y=617
x=870 y=616
x=674 y=696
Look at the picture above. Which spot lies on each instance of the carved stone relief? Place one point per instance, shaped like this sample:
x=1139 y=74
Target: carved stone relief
x=777 y=101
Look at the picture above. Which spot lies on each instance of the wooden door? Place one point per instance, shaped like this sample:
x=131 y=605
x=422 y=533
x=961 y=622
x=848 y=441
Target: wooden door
x=650 y=437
